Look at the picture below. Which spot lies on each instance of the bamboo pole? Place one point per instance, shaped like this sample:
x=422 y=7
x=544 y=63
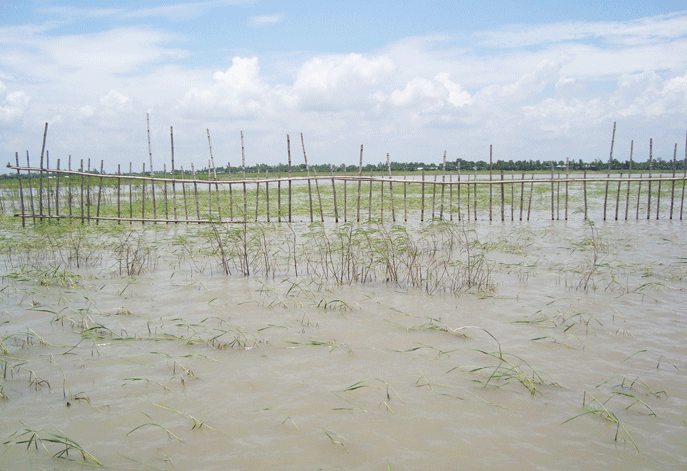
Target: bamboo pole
x=245 y=194
x=617 y=196
x=434 y=195
x=119 y=195
x=381 y=201
x=512 y=195
x=40 y=180
x=336 y=211
x=651 y=157
x=503 y=199
x=288 y=147
x=131 y=194
x=267 y=194
x=567 y=173
x=214 y=174
x=458 y=194
x=405 y=198
x=69 y=185
x=164 y=169
x=174 y=188
x=584 y=186
x=450 y=196
x=33 y=210
x=279 y=192
x=443 y=186
x=195 y=191
x=231 y=194
x=522 y=193
x=57 y=190
x=47 y=180
x=391 y=189
x=100 y=193
x=558 y=196
x=475 y=195
x=658 y=195
x=552 y=192
x=672 y=188
x=422 y=211
x=639 y=192
x=629 y=178
x=152 y=174
x=529 y=202
x=469 y=207
x=490 y=186
x=88 y=191
x=345 y=196
x=684 y=180
x=183 y=192
x=369 y=205
x=209 y=182
x=360 y=182
x=21 y=191
x=257 y=194
x=608 y=174
x=143 y=196
x=82 y=192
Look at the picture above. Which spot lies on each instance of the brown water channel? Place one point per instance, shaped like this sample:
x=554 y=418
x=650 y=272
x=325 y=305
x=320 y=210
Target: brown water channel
x=576 y=356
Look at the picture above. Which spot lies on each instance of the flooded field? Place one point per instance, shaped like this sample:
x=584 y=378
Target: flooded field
x=542 y=345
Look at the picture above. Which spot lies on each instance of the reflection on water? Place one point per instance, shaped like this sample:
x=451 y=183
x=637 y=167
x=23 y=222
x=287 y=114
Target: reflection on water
x=182 y=367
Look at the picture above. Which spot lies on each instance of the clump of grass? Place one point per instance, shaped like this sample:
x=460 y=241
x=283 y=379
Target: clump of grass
x=52 y=438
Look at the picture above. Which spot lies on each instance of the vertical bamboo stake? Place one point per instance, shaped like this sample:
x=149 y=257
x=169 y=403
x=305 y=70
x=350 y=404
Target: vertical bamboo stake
x=391 y=188
x=529 y=203
x=82 y=192
x=28 y=173
x=257 y=194
x=319 y=196
x=209 y=192
x=381 y=199
x=100 y=192
x=119 y=194
x=288 y=148
x=174 y=188
x=443 y=186
x=245 y=194
x=69 y=185
x=584 y=187
x=608 y=174
x=450 y=196
x=567 y=171
x=131 y=195
x=21 y=191
x=503 y=199
x=405 y=198
x=458 y=194
x=558 y=196
x=369 y=205
x=47 y=180
x=345 y=196
x=231 y=194
x=651 y=157
x=658 y=195
x=629 y=177
x=490 y=178
x=434 y=195
x=422 y=210
x=512 y=195
x=475 y=195
x=672 y=188
x=639 y=192
x=307 y=169
x=336 y=211
x=552 y=192
x=214 y=173
x=88 y=191
x=279 y=193
x=267 y=193
x=152 y=174
x=617 y=196
x=469 y=208
x=40 y=180
x=195 y=192
x=522 y=193
x=57 y=190
x=183 y=192
x=360 y=181
x=143 y=195
x=164 y=170
x=684 y=179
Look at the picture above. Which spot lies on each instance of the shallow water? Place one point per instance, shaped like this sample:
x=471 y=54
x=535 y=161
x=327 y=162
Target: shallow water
x=382 y=378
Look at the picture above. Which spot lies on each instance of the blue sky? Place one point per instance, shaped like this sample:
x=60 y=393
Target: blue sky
x=538 y=80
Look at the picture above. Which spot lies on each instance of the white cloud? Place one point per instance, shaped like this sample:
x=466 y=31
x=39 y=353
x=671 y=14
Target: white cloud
x=265 y=20
x=12 y=105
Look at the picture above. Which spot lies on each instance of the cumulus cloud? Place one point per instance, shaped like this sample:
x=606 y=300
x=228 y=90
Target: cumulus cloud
x=12 y=104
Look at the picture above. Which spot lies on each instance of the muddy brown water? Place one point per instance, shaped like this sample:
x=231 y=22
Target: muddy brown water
x=185 y=368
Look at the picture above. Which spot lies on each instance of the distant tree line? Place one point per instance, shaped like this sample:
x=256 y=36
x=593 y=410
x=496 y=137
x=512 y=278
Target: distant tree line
x=597 y=165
